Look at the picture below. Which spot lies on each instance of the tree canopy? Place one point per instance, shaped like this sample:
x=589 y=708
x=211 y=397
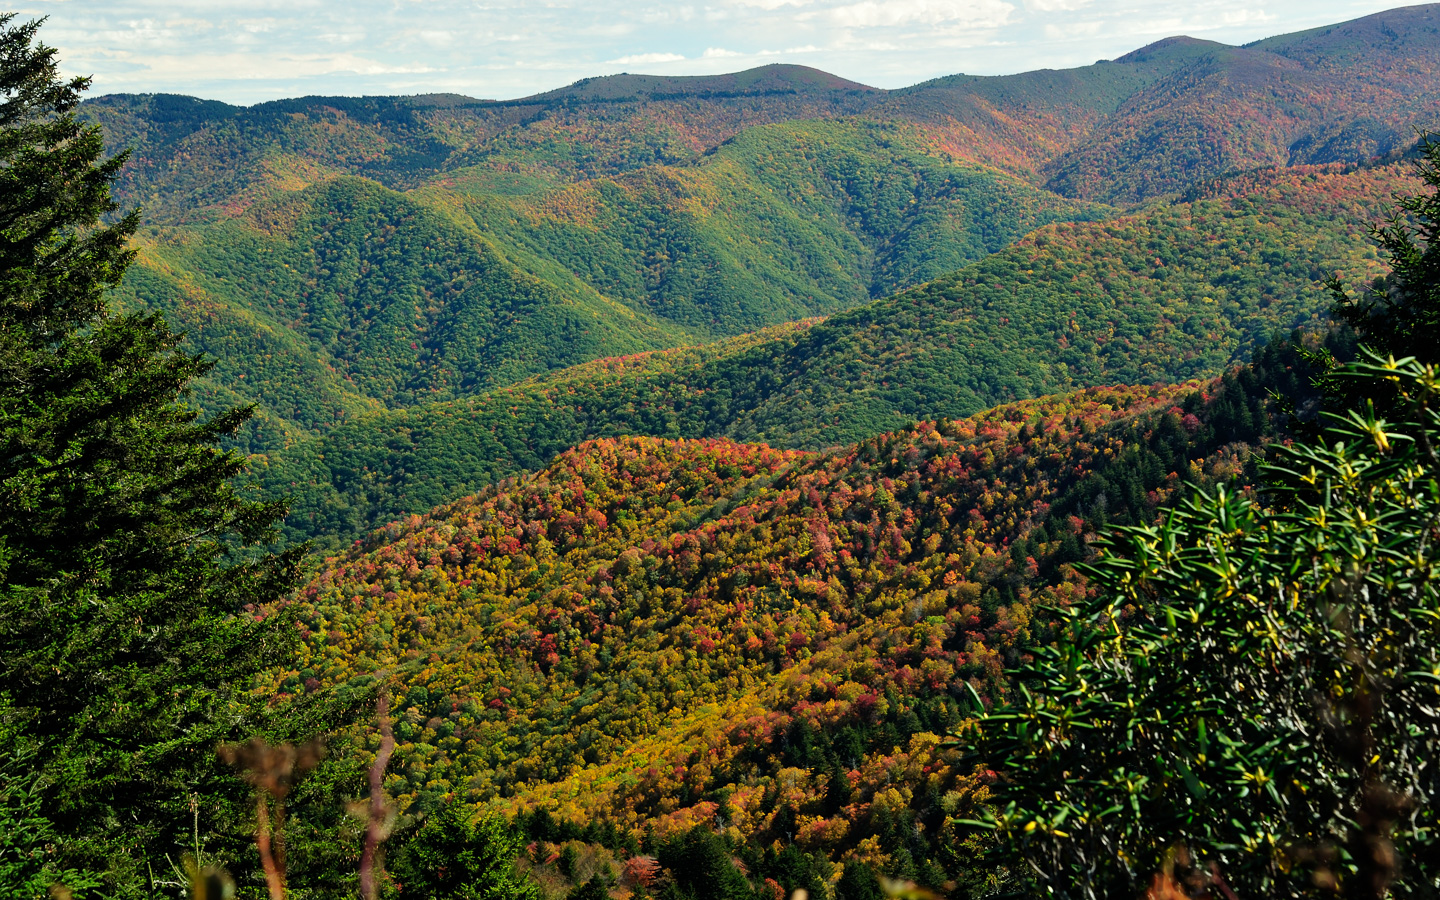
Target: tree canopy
x=1251 y=700
x=125 y=651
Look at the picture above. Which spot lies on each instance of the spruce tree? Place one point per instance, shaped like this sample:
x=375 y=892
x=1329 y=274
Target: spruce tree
x=128 y=561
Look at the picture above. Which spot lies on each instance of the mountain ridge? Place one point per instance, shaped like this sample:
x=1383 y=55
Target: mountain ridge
x=1166 y=294
x=1408 y=35
x=672 y=212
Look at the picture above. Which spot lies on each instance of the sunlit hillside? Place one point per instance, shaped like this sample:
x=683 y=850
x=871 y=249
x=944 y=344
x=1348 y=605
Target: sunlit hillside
x=1178 y=292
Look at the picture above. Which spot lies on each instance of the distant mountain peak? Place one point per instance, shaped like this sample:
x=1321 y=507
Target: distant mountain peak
x=761 y=80
x=1170 y=47
x=444 y=100
x=1417 y=24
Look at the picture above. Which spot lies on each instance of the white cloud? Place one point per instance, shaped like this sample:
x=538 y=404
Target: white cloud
x=1210 y=20
x=772 y=4
x=1235 y=17
x=1072 y=30
x=249 y=50
x=642 y=59
x=890 y=13
x=244 y=66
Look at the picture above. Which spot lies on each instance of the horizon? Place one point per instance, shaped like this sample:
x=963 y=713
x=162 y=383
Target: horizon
x=236 y=53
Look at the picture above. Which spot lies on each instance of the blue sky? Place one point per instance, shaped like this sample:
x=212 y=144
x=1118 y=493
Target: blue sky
x=245 y=51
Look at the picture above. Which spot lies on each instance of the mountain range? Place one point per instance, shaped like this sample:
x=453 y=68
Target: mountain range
x=350 y=260
x=701 y=450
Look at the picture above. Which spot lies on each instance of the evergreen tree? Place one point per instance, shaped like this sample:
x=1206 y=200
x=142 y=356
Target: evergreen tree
x=594 y=889
x=858 y=882
x=702 y=868
x=450 y=856
x=127 y=564
x=1400 y=314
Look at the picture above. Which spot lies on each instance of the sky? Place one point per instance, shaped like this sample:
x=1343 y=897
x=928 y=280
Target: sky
x=248 y=51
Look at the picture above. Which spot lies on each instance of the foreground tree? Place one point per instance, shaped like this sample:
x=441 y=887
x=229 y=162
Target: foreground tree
x=1400 y=313
x=455 y=856
x=1254 y=690
x=124 y=652
x=1251 y=703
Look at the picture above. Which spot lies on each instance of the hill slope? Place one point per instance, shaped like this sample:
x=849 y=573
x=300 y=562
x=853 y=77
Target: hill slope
x=654 y=633
x=483 y=278
x=196 y=159
x=1175 y=293
x=779 y=223
x=347 y=296
x=1145 y=124
x=1344 y=93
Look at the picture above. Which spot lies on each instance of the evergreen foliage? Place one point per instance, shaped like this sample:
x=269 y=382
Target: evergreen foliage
x=1248 y=702
x=28 y=851
x=702 y=868
x=124 y=651
x=454 y=855
x=1253 y=687
x=858 y=882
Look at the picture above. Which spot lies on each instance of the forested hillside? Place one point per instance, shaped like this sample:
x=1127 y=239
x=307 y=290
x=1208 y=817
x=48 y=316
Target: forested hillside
x=194 y=158
x=1347 y=92
x=346 y=295
x=778 y=223
x=652 y=634
x=1179 y=292
x=344 y=256
x=726 y=488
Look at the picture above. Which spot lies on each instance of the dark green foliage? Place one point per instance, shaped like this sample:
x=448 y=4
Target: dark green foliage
x=858 y=882
x=453 y=856
x=54 y=265
x=1256 y=685
x=125 y=654
x=28 y=851
x=1400 y=314
x=594 y=889
x=566 y=862
x=701 y=867
x=794 y=869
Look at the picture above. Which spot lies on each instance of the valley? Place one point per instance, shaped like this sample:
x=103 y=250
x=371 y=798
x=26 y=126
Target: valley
x=666 y=487
x=343 y=256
